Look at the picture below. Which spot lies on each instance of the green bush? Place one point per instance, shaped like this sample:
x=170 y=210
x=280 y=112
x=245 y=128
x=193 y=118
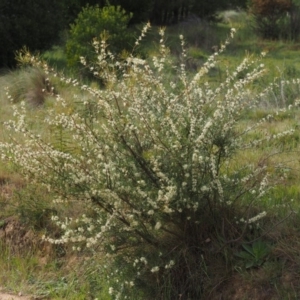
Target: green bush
x=159 y=168
x=93 y=21
x=271 y=18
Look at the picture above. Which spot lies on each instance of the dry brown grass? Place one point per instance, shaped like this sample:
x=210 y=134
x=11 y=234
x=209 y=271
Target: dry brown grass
x=27 y=84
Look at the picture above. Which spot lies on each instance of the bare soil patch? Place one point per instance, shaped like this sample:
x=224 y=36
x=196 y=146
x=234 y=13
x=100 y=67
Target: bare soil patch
x=5 y=296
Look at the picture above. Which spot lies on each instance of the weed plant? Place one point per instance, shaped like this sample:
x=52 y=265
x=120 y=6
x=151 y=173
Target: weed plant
x=157 y=166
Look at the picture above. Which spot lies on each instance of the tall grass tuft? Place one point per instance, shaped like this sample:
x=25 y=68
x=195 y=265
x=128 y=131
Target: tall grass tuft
x=28 y=84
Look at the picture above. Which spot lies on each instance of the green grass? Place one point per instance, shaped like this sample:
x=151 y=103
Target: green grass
x=32 y=274
x=56 y=57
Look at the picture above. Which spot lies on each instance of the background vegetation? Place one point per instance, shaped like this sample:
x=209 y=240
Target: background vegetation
x=37 y=25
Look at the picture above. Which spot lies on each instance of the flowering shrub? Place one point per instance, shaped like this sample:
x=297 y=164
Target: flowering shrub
x=155 y=163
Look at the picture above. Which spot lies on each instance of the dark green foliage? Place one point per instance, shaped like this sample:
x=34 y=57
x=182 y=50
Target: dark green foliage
x=139 y=9
x=255 y=255
x=275 y=19
x=93 y=21
x=295 y=20
x=35 y=24
x=270 y=17
x=38 y=24
x=73 y=7
x=173 y=11
x=161 y=12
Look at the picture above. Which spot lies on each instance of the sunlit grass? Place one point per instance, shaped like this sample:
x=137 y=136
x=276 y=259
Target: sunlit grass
x=32 y=274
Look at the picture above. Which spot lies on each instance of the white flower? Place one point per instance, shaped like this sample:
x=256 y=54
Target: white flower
x=157 y=226
x=170 y=264
x=155 y=269
x=256 y=218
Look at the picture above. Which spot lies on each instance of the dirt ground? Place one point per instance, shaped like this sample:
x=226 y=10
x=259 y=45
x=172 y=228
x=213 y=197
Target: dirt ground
x=4 y=296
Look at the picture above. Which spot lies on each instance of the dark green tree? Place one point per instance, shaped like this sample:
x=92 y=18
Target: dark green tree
x=140 y=9
x=164 y=12
x=294 y=15
x=271 y=18
x=73 y=7
x=35 y=24
x=91 y=23
x=172 y=11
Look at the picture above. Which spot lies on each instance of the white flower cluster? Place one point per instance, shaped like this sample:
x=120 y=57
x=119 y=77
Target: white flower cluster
x=257 y=217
